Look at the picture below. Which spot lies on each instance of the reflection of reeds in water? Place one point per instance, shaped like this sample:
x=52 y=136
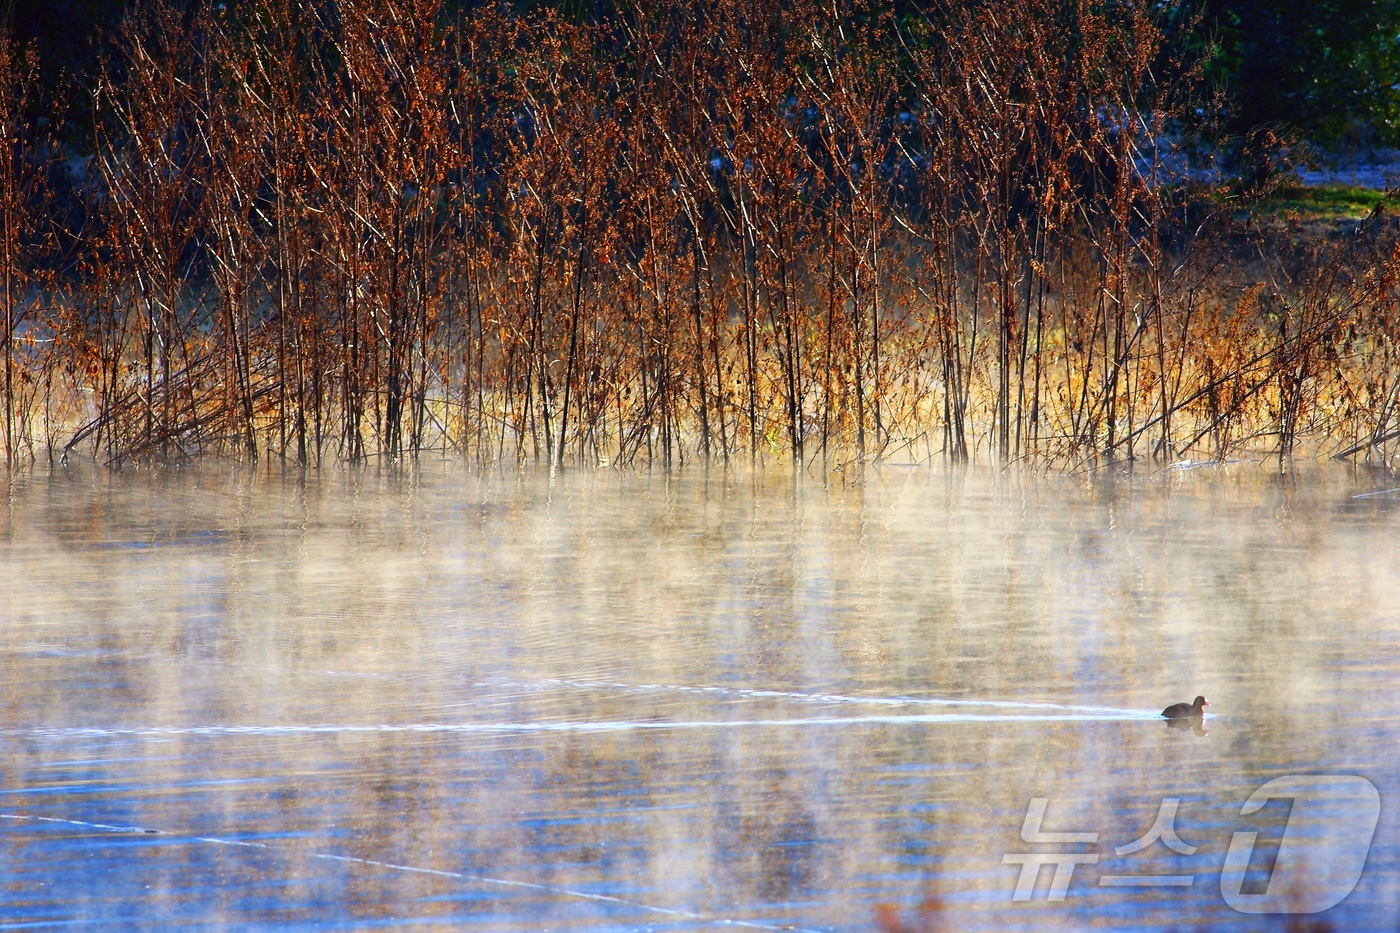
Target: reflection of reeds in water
x=923 y=919
x=374 y=228
x=363 y=599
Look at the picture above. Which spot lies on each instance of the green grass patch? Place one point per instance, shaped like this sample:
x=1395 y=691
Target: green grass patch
x=1325 y=202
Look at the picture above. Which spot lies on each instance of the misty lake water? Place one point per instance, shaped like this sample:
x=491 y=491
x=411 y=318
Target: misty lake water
x=609 y=701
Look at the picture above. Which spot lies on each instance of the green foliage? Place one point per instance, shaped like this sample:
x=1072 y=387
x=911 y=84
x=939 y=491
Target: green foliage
x=1328 y=70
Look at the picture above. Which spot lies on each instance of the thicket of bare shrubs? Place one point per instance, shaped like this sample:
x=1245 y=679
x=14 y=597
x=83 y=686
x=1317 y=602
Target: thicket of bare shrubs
x=370 y=228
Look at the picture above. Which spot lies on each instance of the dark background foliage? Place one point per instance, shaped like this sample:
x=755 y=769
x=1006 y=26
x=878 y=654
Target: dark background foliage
x=1327 y=70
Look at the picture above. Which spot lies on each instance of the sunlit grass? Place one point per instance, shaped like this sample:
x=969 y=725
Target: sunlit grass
x=1330 y=202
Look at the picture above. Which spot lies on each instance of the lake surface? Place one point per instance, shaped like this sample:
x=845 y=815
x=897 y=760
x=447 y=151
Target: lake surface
x=692 y=701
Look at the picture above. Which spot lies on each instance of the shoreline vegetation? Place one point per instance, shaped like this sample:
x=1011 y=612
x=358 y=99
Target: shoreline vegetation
x=314 y=231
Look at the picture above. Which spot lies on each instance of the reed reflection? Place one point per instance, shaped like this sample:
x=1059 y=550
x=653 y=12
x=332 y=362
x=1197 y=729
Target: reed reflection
x=493 y=700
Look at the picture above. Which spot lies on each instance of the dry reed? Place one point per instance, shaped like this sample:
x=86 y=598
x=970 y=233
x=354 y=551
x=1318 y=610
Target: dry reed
x=372 y=228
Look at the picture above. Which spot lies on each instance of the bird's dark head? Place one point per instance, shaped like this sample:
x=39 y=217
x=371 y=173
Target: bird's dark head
x=1201 y=703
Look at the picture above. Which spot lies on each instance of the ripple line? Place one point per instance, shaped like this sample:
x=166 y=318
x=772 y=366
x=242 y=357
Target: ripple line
x=415 y=869
x=832 y=698
x=525 y=728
